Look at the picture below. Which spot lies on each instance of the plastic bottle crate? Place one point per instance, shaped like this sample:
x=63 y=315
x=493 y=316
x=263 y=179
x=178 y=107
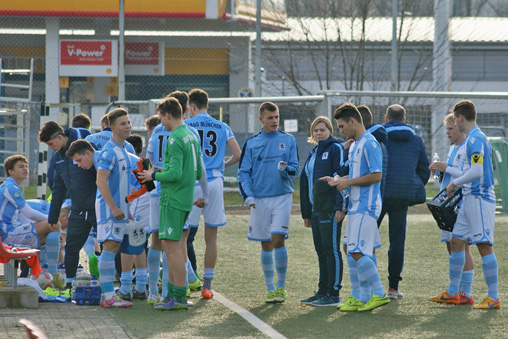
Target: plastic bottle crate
x=87 y=295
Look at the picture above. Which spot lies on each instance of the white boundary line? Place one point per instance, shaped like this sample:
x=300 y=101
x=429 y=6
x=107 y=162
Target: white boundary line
x=251 y=318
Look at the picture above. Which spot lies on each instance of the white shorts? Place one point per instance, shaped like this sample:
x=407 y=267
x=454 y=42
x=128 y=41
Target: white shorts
x=213 y=212
x=475 y=222
x=111 y=231
x=23 y=234
x=362 y=234
x=271 y=216
x=446 y=236
x=154 y=213
x=140 y=210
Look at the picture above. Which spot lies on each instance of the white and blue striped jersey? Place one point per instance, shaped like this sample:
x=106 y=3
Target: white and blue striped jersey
x=365 y=157
x=155 y=150
x=214 y=135
x=11 y=201
x=454 y=159
x=115 y=159
x=477 y=146
x=101 y=138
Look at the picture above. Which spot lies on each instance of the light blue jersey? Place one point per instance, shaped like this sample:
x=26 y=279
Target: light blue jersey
x=366 y=157
x=101 y=138
x=477 y=146
x=39 y=205
x=114 y=159
x=155 y=150
x=258 y=175
x=454 y=159
x=11 y=201
x=214 y=135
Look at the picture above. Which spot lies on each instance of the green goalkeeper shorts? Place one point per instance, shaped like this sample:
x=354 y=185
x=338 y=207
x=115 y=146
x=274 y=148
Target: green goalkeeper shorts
x=171 y=222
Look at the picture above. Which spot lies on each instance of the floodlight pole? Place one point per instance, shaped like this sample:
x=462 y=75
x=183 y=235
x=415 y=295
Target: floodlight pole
x=121 y=67
x=394 y=61
x=257 y=74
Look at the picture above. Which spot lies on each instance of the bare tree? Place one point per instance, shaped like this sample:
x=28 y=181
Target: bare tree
x=328 y=43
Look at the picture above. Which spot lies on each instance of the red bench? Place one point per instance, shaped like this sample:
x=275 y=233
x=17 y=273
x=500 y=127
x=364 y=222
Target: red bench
x=11 y=261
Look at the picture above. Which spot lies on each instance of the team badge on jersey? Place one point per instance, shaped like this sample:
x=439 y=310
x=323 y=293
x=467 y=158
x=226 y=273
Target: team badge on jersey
x=17 y=194
x=171 y=141
x=325 y=156
x=116 y=230
x=282 y=147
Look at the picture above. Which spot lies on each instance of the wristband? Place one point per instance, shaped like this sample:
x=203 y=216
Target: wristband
x=153 y=175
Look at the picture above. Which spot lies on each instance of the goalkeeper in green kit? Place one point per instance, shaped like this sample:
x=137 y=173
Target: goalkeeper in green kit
x=181 y=169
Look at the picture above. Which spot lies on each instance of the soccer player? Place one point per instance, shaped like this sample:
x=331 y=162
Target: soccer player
x=322 y=209
x=113 y=179
x=99 y=139
x=155 y=152
x=215 y=136
x=182 y=167
x=150 y=124
x=364 y=207
x=269 y=162
x=450 y=170
x=33 y=234
x=475 y=221
x=140 y=212
x=79 y=185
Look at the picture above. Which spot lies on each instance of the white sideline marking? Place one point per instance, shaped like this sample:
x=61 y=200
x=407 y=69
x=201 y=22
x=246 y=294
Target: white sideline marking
x=251 y=318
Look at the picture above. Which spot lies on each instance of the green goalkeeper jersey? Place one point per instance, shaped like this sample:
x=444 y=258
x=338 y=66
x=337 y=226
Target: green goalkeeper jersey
x=181 y=169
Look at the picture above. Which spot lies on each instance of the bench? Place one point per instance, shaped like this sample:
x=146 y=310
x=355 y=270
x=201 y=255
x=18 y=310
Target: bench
x=14 y=255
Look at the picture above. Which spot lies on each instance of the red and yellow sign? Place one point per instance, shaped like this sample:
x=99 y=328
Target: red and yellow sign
x=110 y=8
x=88 y=58
x=86 y=52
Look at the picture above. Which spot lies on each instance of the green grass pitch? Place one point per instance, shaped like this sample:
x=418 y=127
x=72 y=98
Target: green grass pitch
x=239 y=278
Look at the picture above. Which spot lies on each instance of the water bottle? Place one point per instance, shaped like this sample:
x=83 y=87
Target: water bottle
x=436 y=159
x=344 y=192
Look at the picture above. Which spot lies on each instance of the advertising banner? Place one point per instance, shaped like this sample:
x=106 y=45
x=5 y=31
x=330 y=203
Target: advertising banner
x=88 y=58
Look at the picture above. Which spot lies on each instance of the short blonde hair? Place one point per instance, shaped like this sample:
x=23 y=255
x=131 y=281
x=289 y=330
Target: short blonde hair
x=449 y=119
x=313 y=125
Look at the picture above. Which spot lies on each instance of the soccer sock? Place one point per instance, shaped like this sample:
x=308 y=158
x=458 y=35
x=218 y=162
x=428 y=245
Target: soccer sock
x=180 y=294
x=89 y=245
x=457 y=261
x=52 y=251
x=125 y=282
x=191 y=276
x=165 y=276
x=367 y=271
x=140 y=279
x=353 y=276
x=208 y=276
x=466 y=281
x=267 y=267
x=489 y=266
x=44 y=256
x=154 y=265
x=374 y=258
x=281 y=265
x=107 y=272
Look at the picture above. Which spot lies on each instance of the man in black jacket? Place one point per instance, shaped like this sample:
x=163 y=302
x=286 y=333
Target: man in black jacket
x=407 y=173
x=80 y=184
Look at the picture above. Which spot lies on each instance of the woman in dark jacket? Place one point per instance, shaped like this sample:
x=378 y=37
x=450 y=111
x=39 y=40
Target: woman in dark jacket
x=321 y=207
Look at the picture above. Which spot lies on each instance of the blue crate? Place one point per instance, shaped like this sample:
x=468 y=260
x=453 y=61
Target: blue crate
x=87 y=295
